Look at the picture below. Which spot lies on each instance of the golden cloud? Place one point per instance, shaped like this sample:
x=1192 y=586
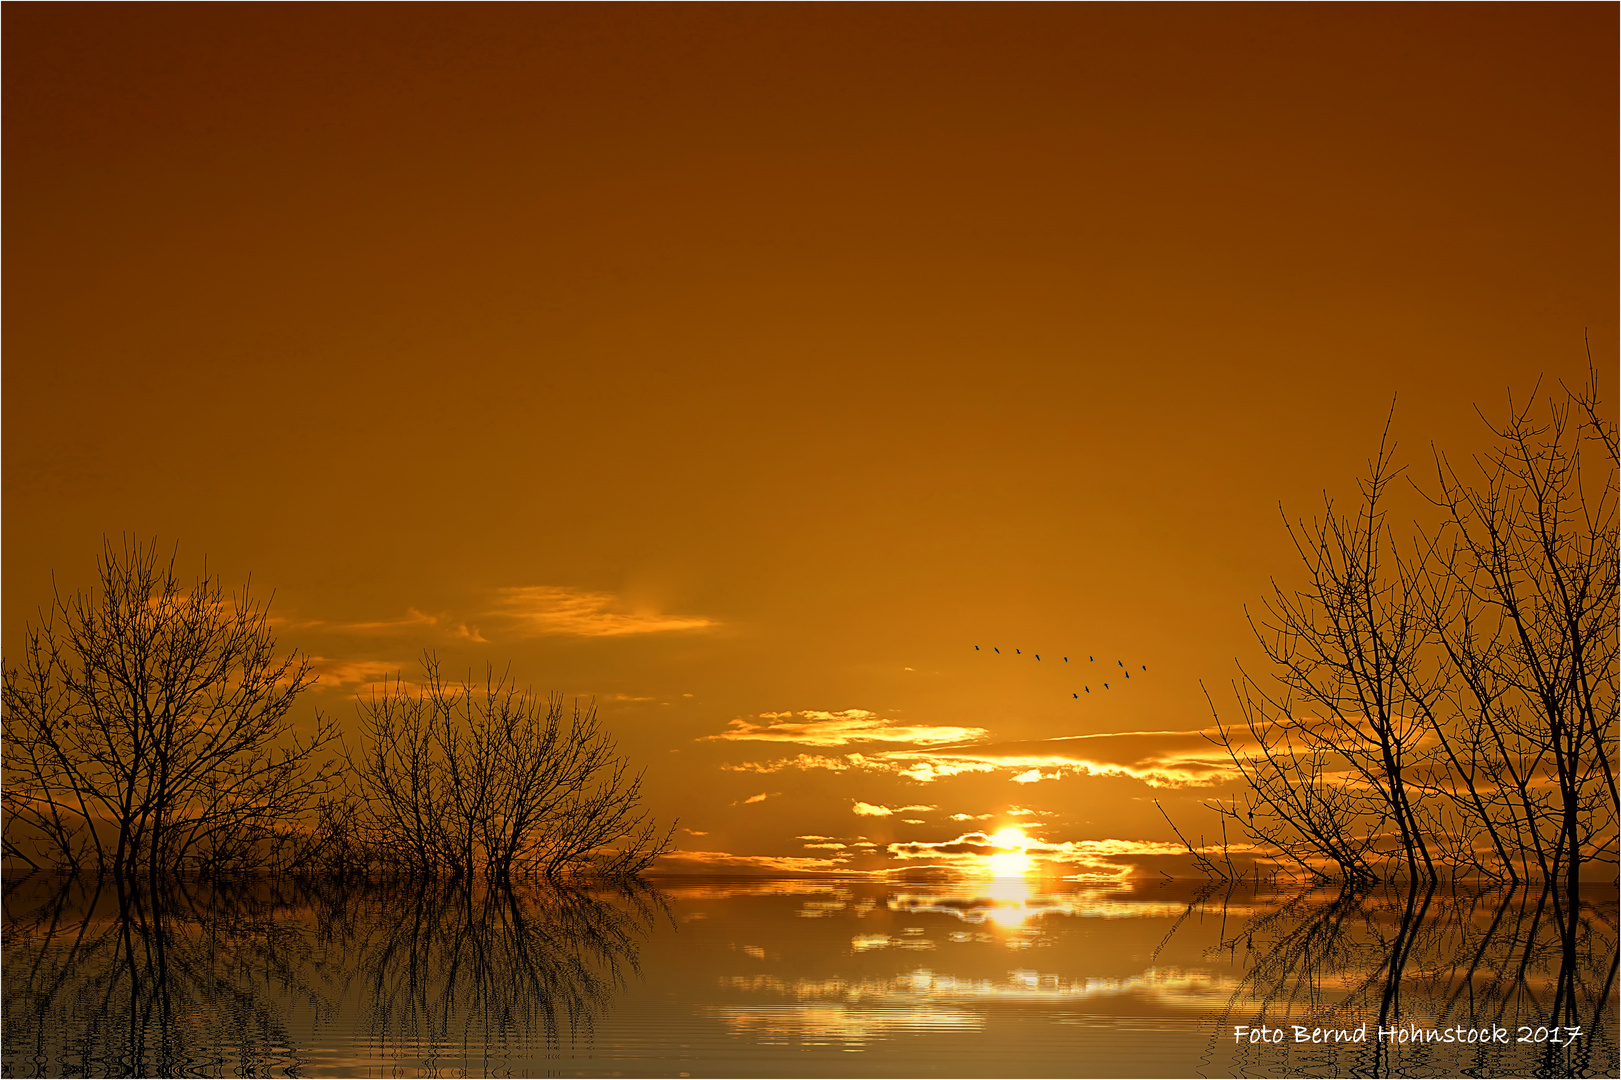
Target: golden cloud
x=817 y=728
x=1161 y=759
x=926 y=772
x=331 y=672
x=803 y=761
x=413 y=621
x=1111 y=858
x=1158 y=758
x=552 y=610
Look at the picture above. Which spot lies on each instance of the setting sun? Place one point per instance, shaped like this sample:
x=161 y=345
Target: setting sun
x=1009 y=864
x=1010 y=838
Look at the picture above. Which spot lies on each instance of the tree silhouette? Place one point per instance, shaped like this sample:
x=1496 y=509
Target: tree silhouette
x=457 y=778
x=148 y=729
x=1450 y=709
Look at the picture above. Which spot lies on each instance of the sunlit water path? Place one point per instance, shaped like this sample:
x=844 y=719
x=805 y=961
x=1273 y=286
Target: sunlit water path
x=804 y=978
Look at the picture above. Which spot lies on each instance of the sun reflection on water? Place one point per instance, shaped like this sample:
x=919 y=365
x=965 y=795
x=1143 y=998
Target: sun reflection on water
x=855 y=1011
x=1010 y=900
x=1026 y=902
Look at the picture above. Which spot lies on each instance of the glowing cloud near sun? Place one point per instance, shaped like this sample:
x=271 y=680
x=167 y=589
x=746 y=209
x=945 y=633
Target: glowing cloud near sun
x=812 y=727
x=1160 y=759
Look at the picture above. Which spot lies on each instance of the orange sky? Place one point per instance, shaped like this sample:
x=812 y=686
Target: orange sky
x=724 y=361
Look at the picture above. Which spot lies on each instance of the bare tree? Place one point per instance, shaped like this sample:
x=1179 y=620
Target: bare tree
x=459 y=778
x=1334 y=752
x=1453 y=708
x=148 y=728
x=1526 y=607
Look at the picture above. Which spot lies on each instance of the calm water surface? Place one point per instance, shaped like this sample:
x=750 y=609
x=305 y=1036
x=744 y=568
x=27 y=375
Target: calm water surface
x=803 y=978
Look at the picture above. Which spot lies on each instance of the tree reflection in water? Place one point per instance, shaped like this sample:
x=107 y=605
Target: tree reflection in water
x=1524 y=961
x=102 y=979
x=502 y=970
x=414 y=978
x=171 y=984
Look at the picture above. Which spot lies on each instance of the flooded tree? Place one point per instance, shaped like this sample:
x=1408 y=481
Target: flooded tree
x=1335 y=740
x=1523 y=598
x=458 y=778
x=148 y=729
x=1446 y=705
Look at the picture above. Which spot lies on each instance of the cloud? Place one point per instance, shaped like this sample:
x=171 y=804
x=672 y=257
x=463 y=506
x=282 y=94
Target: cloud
x=974 y=843
x=524 y=611
x=762 y=797
x=413 y=620
x=803 y=761
x=352 y=672
x=926 y=772
x=908 y=766
x=817 y=728
x=866 y=809
x=1111 y=858
x=1158 y=758
x=1161 y=759
x=552 y=610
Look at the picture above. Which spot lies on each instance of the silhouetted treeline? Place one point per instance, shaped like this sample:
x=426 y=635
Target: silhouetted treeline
x=1444 y=704
x=148 y=732
x=457 y=779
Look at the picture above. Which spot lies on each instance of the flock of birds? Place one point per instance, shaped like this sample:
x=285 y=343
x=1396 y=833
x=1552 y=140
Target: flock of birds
x=1090 y=659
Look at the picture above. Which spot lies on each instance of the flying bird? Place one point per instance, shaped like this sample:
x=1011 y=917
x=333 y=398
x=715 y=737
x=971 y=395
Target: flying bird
x=1122 y=663
x=1105 y=686
x=1088 y=689
x=998 y=651
x=1075 y=695
x=1038 y=656
x=1066 y=659
x=1018 y=652
x=976 y=648
x=1128 y=674
x=1091 y=658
